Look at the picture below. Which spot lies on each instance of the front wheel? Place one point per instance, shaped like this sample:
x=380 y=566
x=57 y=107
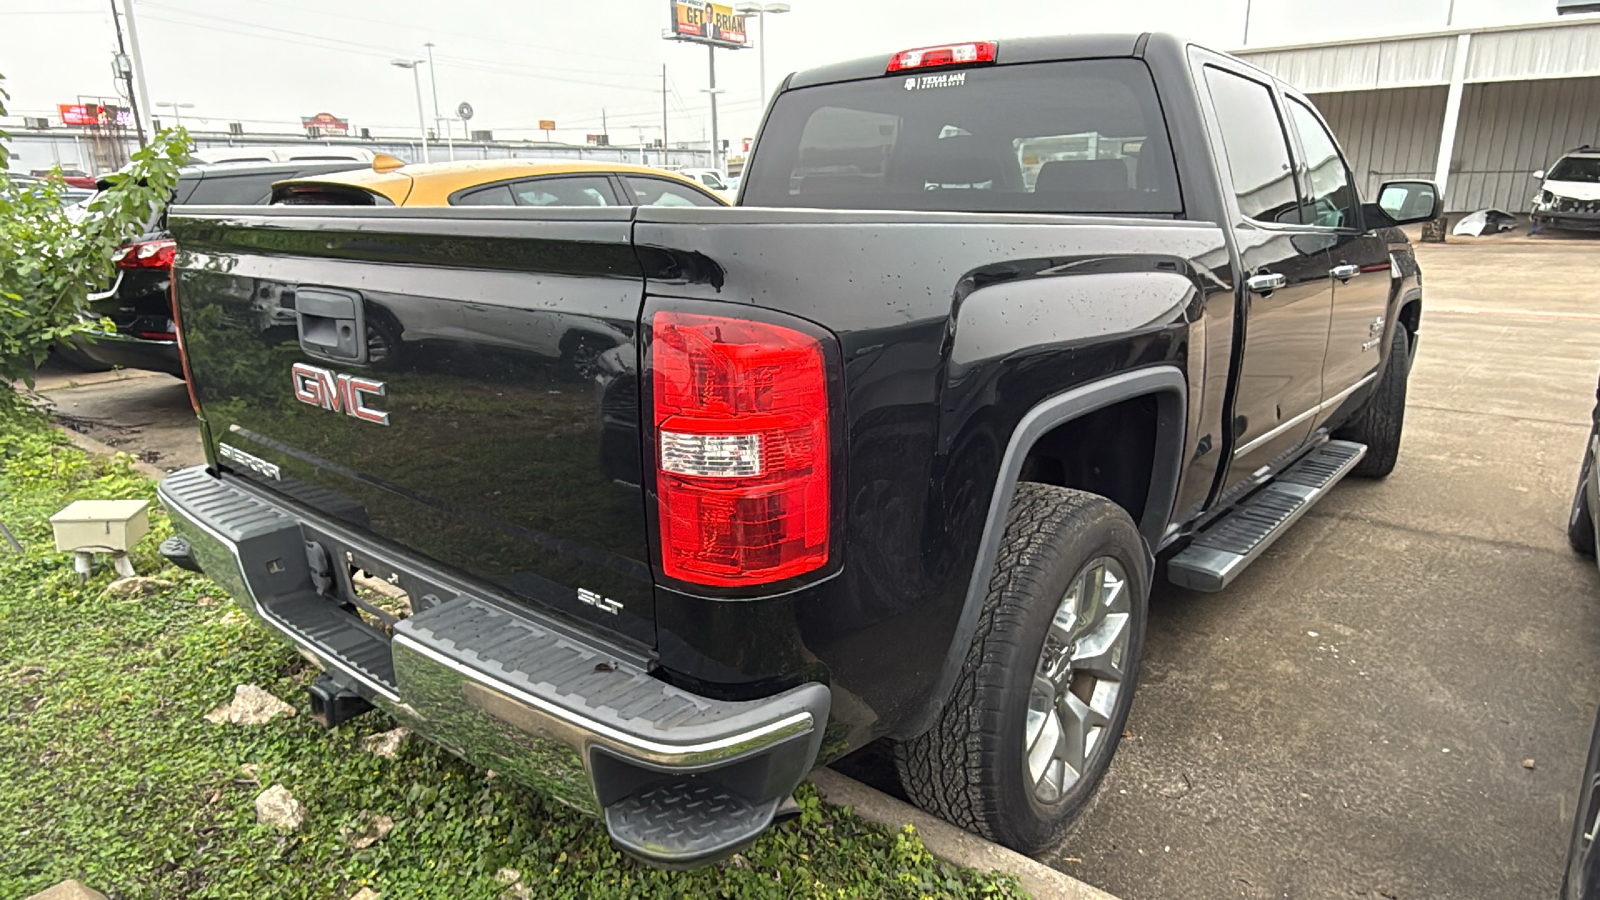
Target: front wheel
x=1048 y=681
x=1580 y=520
x=1378 y=423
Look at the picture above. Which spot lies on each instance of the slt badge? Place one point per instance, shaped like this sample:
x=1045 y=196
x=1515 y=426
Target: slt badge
x=339 y=392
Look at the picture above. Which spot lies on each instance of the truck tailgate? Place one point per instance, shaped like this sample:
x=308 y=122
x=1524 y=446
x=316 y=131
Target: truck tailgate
x=460 y=384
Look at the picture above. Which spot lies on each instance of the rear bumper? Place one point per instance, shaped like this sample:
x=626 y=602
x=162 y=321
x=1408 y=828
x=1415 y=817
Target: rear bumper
x=114 y=349
x=679 y=779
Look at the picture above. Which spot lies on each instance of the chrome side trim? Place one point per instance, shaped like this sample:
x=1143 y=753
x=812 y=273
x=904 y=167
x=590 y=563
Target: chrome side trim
x=579 y=732
x=1287 y=424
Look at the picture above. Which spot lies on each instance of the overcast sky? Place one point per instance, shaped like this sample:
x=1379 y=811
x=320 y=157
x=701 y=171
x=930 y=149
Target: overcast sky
x=268 y=62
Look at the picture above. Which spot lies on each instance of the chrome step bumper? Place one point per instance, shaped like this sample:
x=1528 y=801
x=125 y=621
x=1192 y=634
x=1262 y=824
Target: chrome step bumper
x=679 y=779
x=1217 y=556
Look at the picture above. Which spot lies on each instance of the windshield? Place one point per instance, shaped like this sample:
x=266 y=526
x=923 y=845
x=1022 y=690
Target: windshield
x=1069 y=137
x=1577 y=168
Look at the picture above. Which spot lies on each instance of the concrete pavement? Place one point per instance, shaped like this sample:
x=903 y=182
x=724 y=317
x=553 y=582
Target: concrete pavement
x=1351 y=718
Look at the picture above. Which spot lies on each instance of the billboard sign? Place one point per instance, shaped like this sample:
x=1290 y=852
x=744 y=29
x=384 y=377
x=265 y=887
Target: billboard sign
x=708 y=23
x=81 y=114
x=326 y=123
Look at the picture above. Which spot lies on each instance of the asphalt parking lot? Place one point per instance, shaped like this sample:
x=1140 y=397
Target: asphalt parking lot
x=1352 y=718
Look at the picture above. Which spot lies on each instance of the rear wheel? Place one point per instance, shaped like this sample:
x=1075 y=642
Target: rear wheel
x=1049 y=677
x=1378 y=424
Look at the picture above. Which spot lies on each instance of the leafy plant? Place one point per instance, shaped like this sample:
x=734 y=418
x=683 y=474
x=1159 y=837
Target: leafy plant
x=52 y=259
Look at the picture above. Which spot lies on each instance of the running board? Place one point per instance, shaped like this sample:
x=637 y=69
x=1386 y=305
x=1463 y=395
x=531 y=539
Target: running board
x=1221 y=552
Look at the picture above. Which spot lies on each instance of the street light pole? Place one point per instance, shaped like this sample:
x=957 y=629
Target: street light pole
x=761 y=11
x=142 y=102
x=438 y=120
x=711 y=52
x=422 y=116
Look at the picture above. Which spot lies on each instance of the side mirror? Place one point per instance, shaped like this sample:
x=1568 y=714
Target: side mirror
x=1405 y=202
x=1538 y=175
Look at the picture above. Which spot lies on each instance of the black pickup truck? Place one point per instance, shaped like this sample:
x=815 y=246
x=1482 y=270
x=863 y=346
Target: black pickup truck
x=685 y=502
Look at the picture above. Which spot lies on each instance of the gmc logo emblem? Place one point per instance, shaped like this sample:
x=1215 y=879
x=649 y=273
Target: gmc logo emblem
x=338 y=392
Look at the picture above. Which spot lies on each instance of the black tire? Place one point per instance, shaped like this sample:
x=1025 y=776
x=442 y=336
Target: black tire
x=1581 y=880
x=1580 y=521
x=970 y=768
x=1378 y=424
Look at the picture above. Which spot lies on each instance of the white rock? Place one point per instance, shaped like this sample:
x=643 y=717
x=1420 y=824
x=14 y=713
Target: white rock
x=365 y=893
x=251 y=706
x=277 y=807
x=385 y=743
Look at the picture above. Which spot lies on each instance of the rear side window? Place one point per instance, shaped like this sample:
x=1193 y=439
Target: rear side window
x=567 y=191
x=235 y=190
x=649 y=191
x=1085 y=136
x=1256 y=147
x=495 y=195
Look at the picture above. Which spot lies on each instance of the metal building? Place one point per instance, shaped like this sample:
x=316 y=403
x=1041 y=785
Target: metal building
x=1477 y=110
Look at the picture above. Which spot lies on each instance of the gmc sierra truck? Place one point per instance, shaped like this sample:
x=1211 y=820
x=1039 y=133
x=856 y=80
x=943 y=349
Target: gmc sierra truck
x=686 y=502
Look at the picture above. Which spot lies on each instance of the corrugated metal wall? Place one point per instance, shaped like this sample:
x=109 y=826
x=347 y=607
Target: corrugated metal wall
x=1507 y=130
x=1511 y=128
x=1386 y=134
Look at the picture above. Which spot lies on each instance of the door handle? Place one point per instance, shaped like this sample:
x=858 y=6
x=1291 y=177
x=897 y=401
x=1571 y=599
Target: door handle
x=1345 y=272
x=1267 y=282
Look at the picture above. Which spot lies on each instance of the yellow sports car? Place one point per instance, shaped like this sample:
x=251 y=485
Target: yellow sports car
x=496 y=182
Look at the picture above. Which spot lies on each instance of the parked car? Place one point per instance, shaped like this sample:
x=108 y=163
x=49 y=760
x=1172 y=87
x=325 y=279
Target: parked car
x=1569 y=194
x=70 y=175
x=250 y=153
x=139 y=302
x=712 y=180
x=498 y=182
x=1582 y=878
x=1002 y=333
x=67 y=194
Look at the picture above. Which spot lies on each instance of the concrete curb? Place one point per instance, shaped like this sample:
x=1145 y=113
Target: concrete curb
x=90 y=445
x=950 y=843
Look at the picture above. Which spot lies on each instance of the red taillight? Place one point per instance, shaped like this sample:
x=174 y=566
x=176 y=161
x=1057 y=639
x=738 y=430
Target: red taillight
x=741 y=441
x=943 y=55
x=146 y=255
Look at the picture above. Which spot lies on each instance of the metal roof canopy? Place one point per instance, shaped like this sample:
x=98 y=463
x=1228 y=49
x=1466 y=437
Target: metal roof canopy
x=1455 y=58
x=1559 y=49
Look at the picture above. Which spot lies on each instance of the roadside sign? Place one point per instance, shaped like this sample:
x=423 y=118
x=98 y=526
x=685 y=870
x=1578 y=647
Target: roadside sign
x=707 y=23
x=547 y=124
x=326 y=123
x=82 y=114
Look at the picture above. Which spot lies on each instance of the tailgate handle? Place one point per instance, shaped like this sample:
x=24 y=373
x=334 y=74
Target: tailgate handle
x=331 y=324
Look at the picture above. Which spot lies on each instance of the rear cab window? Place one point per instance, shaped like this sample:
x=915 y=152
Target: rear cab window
x=1082 y=136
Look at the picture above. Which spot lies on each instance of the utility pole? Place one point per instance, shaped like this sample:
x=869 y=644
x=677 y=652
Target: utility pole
x=438 y=120
x=664 y=157
x=1450 y=17
x=603 y=129
x=711 y=53
x=126 y=71
x=1246 y=43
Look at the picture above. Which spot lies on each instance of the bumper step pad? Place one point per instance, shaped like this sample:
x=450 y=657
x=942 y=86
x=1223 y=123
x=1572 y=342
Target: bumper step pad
x=688 y=820
x=1217 y=556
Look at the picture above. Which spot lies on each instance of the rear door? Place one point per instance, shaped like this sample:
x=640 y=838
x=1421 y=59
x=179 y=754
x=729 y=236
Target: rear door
x=1286 y=294
x=378 y=363
x=1359 y=260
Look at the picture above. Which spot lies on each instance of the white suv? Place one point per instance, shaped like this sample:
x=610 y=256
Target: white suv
x=1569 y=195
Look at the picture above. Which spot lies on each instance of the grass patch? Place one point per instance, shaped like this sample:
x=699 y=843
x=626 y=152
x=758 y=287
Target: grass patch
x=109 y=774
